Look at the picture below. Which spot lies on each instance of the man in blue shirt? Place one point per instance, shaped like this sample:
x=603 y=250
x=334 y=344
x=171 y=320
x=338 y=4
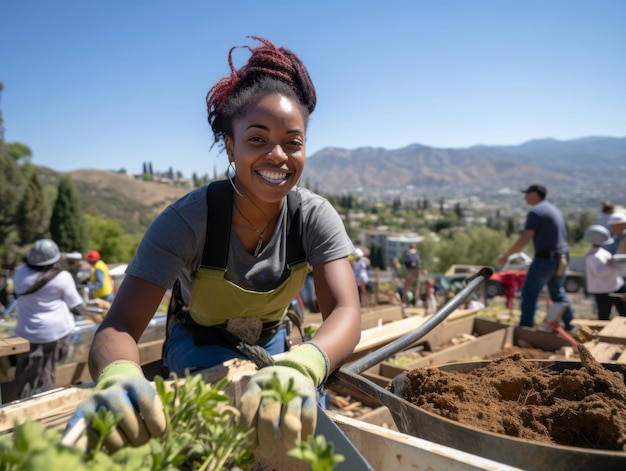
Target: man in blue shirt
x=545 y=225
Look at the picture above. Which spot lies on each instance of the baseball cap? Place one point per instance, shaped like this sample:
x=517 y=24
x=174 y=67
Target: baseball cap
x=539 y=189
x=358 y=252
x=617 y=218
x=412 y=246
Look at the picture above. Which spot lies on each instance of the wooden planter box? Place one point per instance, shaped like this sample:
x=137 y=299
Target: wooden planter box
x=383 y=448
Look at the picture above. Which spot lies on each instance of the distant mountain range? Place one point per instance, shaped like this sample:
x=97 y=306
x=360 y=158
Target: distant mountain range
x=588 y=171
x=556 y=163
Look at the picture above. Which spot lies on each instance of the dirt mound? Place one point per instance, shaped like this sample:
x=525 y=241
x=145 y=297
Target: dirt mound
x=517 y=397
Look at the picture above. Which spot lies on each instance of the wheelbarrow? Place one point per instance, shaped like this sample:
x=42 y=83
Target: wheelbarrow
x=412 y=420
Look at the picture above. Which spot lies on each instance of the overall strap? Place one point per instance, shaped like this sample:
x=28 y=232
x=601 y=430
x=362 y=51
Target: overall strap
x=218 y=225
x=219 y=198
x=295 y=250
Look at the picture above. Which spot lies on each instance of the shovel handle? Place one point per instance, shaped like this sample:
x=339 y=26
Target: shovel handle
x=371 y=359
x=572 y=341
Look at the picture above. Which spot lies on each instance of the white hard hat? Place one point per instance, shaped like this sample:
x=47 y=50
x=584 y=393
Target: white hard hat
x=597 y=235
x=44 y=252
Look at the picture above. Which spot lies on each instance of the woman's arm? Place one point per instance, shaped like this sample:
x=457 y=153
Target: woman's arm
x=338 y=300
x=116 y=338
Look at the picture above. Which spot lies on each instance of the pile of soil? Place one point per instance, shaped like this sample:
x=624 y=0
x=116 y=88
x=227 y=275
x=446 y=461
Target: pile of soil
x=518 y=397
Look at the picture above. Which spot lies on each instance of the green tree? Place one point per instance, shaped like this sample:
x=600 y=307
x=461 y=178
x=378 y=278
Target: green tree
x=33 y=214
x=474 y=246
x=458 y=210
x=377 y=257
x=576 y=230
x=108 y=238
x=19 y=151
x=11 y=190
x=67 y=224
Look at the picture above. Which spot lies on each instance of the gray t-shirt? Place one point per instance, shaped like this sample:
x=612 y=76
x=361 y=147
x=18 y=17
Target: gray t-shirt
x=172 y=246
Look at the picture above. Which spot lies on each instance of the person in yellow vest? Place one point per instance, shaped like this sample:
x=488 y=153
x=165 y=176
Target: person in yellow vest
x=99 y=284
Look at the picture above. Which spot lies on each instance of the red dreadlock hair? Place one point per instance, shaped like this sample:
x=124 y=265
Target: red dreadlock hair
x=269 y=70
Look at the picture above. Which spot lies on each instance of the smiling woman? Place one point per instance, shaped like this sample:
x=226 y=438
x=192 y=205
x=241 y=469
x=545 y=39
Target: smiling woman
x=236 y=253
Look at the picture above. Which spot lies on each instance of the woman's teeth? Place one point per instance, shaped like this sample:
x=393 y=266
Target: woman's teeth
x=275 y=177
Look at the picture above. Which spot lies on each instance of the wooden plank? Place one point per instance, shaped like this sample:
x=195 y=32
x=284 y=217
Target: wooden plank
x=56 y=402
x=549 y=341
x=13 y=345
x=389 y=449
x=605 y=352
x=378 y=317
x=440 y=336
x=614 y=331
x=373 y=338
x=591 y=323
x=380 y=416
x=622 y=358
x=460 y=313
x=150 y=351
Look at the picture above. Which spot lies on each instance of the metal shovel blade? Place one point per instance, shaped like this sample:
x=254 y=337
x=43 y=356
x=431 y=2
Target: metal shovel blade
x=354 y=460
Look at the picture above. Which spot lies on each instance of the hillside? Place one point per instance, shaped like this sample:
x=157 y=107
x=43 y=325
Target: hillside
x=133 y=203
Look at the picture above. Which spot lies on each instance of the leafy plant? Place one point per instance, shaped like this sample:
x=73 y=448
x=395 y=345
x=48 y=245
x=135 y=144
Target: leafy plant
x=204 y=434
x=317 y=453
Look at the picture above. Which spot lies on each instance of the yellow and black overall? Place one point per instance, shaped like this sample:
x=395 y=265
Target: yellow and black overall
x=221 y=314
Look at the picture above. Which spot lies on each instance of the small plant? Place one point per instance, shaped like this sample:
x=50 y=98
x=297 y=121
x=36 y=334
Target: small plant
x=204 y=434
x=317 y=453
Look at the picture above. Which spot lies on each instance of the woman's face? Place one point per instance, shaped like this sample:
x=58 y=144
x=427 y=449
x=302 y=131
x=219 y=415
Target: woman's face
x=267 y=148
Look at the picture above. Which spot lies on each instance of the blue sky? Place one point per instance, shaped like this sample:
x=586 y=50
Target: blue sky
x=112 y=84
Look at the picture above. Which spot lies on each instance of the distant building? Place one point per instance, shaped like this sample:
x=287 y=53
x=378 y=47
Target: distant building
x=394 y=244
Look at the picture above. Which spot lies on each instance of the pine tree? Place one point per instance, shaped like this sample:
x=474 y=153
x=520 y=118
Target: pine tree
x=67 y=225
x=11 y=189
x=33 y=215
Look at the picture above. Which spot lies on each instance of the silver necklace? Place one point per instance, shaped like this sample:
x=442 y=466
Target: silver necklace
x=260 y=232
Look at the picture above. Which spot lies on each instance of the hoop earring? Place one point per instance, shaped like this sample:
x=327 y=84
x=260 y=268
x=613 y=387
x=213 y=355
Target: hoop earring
x=230 y=174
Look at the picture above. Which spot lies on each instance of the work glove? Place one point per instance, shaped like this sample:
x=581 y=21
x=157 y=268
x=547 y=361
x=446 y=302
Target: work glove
x=302 y=370
x=123 y=389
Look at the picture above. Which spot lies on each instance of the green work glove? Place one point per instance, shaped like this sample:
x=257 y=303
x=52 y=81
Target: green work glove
x=306 y=367
x=123 y=389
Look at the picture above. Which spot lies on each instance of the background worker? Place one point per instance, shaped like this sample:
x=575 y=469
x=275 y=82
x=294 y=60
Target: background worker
x=413 y=269
x=545 y=226
x=360 y=275
x=47 y=301
x=617 y=225
x=100 y=284
x=236 y=253
x=601 y=275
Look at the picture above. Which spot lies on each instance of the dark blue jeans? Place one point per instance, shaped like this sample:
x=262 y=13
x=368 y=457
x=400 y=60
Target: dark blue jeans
x=542 y=272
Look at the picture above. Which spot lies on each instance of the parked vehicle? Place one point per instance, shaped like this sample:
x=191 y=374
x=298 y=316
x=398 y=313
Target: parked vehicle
x=512 y=274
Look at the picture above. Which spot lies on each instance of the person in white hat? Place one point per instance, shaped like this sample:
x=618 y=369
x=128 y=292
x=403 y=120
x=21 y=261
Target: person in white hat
x=601 y=275
x=360 y=273
x=617 y=224
x=47 y=301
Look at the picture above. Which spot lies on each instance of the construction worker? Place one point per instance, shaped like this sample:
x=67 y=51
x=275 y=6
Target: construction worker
x=100 y=284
